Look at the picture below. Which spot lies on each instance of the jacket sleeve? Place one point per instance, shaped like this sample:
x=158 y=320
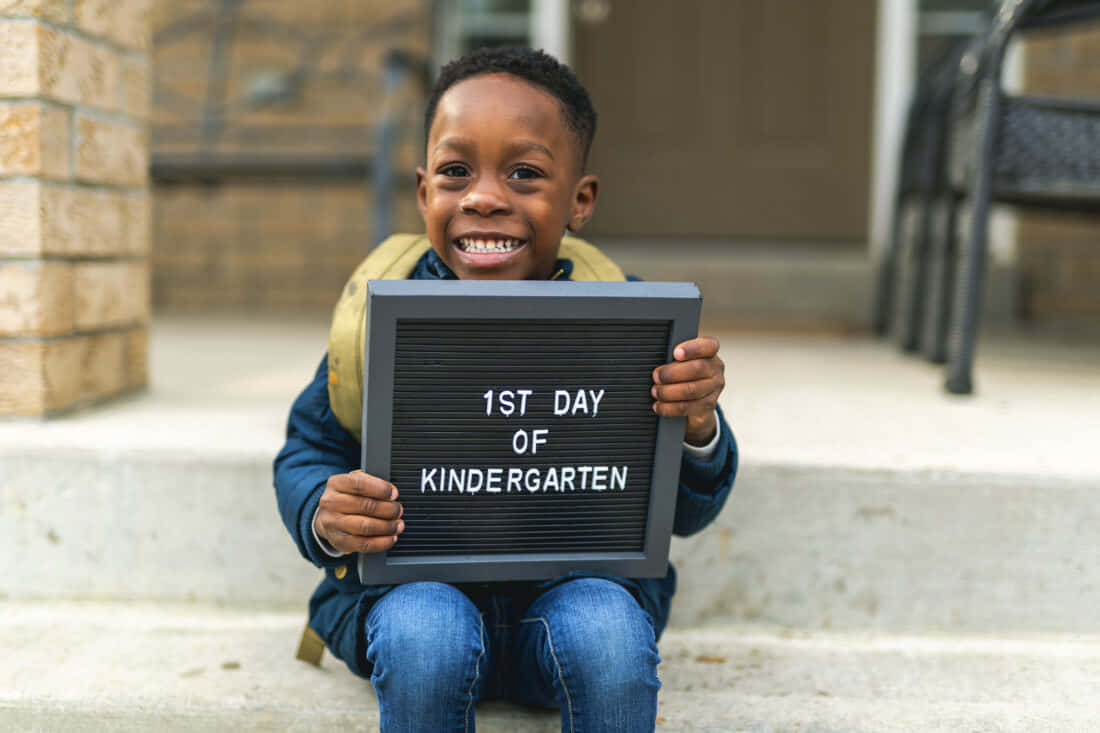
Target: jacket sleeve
x=316 y=447
x=705 y=484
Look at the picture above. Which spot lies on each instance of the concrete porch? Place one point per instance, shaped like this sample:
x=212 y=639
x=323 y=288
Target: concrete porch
x=144 y=667
x=879 y=529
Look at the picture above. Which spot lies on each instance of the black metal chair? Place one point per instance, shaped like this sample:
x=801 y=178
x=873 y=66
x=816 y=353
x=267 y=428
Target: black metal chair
x=1021 y=150
x=905 y=268
x=941 y=250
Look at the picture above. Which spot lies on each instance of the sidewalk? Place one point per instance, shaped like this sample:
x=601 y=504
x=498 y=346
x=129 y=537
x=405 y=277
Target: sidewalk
x=140 y=667
x=892 y=559
x=223 y=385
x=866 y=499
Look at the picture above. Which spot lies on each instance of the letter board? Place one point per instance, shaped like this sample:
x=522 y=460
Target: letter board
x=515 y=419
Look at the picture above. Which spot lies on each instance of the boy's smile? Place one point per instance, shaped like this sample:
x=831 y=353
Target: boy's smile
x=503 y=180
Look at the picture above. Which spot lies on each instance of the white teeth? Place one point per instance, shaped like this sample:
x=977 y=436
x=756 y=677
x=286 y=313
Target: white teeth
x=488 y=246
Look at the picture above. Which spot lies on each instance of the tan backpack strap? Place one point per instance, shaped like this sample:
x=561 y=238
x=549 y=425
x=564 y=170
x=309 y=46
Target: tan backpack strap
x=394 y=259
x=589 y=263
x=311 y=647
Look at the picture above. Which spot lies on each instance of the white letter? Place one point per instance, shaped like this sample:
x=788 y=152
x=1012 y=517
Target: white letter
x=585 y=470
x=507 y=406
x=599 y=478
x=535 y=442
x=470 y=487
x=618 y=480
x=559 y=407
x=457 y=476
x=427 y=478
x=580 y=403
x=488 y=397
x=492 y=484
x=519 y=451
x=551 y=480
x=532 y=487
x=596 y=401
x=523 y=395
x=514 y=476
x=567 y=474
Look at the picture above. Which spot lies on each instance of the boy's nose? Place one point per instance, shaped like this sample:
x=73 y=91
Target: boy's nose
x=484 y=199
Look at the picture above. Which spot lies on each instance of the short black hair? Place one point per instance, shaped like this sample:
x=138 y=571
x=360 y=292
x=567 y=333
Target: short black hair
x=538 y=68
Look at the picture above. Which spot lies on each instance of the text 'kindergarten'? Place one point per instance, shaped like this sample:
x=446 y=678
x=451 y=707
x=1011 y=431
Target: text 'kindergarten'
x=518 y=480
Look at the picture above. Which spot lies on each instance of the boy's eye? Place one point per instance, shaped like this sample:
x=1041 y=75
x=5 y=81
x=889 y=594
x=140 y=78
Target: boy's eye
x=524 y=174
x=455 y=171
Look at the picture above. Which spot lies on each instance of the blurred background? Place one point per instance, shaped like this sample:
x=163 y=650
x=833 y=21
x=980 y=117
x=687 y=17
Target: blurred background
x=241 y=156
x=750 y=145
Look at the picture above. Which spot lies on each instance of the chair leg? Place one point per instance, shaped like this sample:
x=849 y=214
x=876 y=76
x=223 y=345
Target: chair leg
x=882 y=312
x=967 y=304
x=968 y=292
x=916 y=293
x=942 y=253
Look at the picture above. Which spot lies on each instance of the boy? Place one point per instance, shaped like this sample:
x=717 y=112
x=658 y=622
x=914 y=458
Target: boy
x=508 y=137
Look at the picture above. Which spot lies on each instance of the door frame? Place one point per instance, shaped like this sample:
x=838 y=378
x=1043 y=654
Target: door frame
x=894 y=79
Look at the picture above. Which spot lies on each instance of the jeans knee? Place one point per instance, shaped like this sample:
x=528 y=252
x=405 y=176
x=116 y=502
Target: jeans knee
x=599 y=637
x=424 y=637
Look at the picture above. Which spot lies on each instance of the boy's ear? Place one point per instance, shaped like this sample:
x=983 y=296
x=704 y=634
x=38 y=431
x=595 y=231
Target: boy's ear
x=584 y=202
x=421 y=190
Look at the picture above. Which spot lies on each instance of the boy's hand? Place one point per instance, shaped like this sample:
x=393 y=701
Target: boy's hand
x=690 y=386
x=359 y=513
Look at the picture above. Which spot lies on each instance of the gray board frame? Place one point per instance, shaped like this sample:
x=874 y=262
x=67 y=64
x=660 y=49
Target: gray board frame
x=677 y=304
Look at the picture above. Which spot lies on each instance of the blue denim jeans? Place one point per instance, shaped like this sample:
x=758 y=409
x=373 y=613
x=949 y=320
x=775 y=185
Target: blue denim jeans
x=584 y=646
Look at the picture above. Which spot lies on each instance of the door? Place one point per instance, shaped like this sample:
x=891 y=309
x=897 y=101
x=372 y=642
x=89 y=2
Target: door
x=731 y=119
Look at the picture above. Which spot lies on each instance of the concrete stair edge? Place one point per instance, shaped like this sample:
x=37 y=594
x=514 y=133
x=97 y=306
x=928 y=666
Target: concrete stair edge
x=800 y=546
x=109 y=666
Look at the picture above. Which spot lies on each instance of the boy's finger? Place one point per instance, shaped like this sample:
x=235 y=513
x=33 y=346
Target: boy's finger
x=687 y=371
x=684 y=409
x=364 y=526
x=702 y=347
x=363 y=484
x=362 y=506
x=347 y=543
x=687 y=391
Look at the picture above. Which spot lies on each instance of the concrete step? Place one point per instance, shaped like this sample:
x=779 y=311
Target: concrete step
x=137 y=667
x=780 y=284
x=806 y=547
x=867 y=498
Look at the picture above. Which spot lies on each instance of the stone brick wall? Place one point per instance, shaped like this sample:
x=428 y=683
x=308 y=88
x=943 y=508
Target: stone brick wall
x=261 y=245
x=275 y=244
x=74 y=204
x=1059 y=255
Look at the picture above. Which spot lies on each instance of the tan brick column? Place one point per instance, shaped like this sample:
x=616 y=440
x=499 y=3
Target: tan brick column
x=74 y=202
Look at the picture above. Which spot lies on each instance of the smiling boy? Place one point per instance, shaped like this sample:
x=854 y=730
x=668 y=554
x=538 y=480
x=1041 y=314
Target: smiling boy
x=504 y=179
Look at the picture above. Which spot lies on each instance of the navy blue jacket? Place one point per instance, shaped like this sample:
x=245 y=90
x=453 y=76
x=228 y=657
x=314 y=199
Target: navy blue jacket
x=317 y=447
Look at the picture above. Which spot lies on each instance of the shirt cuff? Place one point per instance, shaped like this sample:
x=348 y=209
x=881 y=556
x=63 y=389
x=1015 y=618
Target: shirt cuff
x=705 y=452
x=325 y=546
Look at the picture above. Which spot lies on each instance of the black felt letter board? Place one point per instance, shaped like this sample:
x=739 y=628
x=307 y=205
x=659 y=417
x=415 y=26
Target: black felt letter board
x=516 y=421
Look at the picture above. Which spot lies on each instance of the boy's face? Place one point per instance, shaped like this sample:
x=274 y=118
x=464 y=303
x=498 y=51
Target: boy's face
x=503 y=180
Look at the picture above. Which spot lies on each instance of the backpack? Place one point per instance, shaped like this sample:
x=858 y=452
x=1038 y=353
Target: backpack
x=395 y=259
